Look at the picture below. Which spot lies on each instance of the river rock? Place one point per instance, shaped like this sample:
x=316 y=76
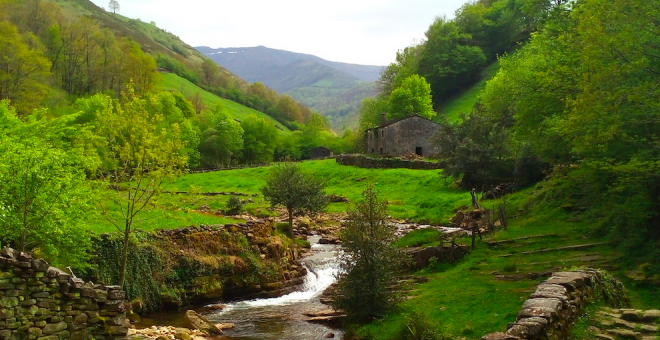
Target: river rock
x=194 y=320
x=224 y=326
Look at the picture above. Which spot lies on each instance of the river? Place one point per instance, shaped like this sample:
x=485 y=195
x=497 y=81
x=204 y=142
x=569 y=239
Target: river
x=282 y=317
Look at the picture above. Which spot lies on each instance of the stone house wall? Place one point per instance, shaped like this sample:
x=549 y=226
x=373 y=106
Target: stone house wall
x=39 y=302
x=410 y=135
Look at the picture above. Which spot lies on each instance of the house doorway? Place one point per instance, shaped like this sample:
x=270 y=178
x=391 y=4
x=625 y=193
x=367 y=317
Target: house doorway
x=418 y=151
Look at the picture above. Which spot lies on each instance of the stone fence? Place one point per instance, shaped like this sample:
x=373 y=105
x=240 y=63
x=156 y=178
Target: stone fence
x=550 y=312
x=44 y=303
x=363 y=161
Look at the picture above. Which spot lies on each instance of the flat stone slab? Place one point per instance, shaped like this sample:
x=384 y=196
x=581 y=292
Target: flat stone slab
x=605 y=337
x=553 y=291
x=624 y=334
x=651 y=315
x=499 y=336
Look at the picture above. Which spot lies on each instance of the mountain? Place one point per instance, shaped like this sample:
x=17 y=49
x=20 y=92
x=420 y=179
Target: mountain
x=333 y=89
x=250 y=63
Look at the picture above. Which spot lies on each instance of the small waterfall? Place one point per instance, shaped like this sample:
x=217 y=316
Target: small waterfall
x=282 y=317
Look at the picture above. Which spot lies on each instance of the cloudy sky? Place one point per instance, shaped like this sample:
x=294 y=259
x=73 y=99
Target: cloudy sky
x=354 y=31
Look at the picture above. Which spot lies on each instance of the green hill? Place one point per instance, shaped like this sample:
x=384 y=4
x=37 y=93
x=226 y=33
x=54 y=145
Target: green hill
x=152 y=39
x=464 y=101
x=170 y=81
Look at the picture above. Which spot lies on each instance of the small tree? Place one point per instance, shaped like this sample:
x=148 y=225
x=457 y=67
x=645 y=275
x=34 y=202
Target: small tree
x=113 y=6
x=295 y=190
x=369 y=262
x=140 y=156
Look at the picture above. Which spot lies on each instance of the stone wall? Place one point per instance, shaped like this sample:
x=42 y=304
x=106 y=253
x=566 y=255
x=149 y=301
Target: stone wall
x=550 y=312
x=43 y=303
x=363 y=161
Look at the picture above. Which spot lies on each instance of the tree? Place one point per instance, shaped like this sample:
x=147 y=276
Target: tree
x=113 y=6
x=140 y=156
x=44 y=197
x=290 y=187
x=449 y=61
x=412 y=97
x=369 y=262
x=259 y=139
x=221 y=141
x=23 y=71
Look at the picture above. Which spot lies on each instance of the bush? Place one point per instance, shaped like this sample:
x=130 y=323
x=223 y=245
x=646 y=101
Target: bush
x=234 y=205
x=419 y=327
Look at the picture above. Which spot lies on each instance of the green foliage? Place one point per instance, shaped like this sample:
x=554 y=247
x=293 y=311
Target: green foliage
x=43 y=193
x=141 y=154
x=448 y=60
x=144 y=267
x=369 y=262
x=412 y=97
x=419 y=327
x=234 y=205
x=222 y=139
x=259 y=140
x=288 y=186
x=585 y=91
x=478 y=150
x=23 y=70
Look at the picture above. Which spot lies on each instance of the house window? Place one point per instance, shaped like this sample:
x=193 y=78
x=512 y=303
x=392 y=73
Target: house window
x=382 y=133
x=373 y=150
x=381 y=151
x=418 y=150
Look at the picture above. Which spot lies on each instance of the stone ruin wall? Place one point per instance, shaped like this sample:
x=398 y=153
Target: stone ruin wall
x=550 y=312
x=39 y=302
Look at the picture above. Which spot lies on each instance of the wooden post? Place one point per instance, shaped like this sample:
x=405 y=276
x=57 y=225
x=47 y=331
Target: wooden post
x=503 y=219
x=475 y=199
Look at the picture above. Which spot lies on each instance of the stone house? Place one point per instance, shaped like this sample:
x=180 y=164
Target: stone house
x=320 y=152
x=403 y=136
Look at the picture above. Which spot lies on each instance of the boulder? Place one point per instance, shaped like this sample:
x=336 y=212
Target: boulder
x=194 y=320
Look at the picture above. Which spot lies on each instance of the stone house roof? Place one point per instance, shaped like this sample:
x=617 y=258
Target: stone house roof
x=393 y=121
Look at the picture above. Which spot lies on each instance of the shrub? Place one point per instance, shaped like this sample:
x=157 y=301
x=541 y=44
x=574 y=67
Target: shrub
x=234 y=205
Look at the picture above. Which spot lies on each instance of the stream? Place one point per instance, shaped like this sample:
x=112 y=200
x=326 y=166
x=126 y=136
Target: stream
x=281 y=317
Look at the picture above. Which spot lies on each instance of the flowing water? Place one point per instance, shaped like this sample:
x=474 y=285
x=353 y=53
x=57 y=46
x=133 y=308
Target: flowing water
x=282 y=317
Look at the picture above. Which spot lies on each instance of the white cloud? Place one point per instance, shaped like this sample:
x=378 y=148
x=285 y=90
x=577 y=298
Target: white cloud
x=353 y=31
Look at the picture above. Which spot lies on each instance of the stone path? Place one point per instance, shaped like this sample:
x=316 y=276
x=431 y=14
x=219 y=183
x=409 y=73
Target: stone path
x=627 y=324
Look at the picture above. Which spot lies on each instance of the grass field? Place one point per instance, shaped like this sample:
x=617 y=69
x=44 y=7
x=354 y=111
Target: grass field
x=419 y=195
x=170 y=81
x=170 y=211
x=463 y=102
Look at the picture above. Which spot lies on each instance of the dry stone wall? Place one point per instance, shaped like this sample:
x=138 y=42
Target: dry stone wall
x=550 y=312
x=362 y=161
x=39 y=302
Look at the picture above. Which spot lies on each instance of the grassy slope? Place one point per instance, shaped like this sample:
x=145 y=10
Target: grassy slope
x=421 y=195
x=471 y=298
x=170 y=81
x=463 y=102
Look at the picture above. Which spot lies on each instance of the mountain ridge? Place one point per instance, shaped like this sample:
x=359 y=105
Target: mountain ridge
x=278 y=57
x=333 y=89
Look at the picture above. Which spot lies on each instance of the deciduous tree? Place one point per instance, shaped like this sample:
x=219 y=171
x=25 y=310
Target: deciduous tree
x=290 y=187
x=140 y=156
